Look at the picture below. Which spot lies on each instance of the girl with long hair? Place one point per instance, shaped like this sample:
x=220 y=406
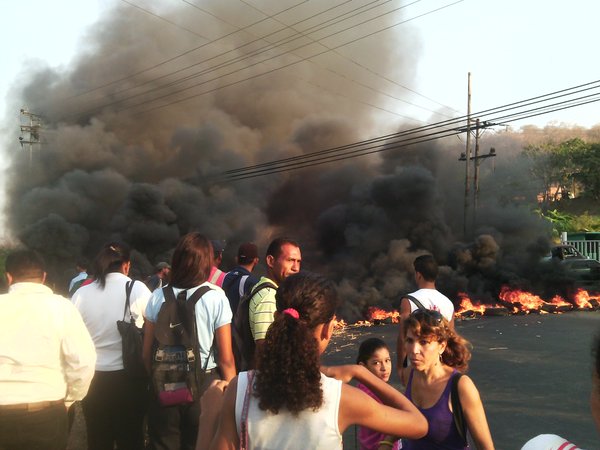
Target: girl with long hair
x=114 y=407
x=437 y=354
x=374 y=354
x=290 y=401
x=176 y=427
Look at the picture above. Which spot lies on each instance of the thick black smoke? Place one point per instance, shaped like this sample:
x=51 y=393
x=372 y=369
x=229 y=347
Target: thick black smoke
x=114 y=170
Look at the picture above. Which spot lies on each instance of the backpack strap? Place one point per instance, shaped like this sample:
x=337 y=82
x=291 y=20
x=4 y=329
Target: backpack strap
x=457 y=411
x=417 y=303
x=128 y=289
x=245 y=408
x=260 y=286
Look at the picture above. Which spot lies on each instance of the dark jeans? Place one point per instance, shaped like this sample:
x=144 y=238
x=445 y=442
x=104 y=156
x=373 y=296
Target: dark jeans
x=176 y=427
x=114 y=410
x=45 y=429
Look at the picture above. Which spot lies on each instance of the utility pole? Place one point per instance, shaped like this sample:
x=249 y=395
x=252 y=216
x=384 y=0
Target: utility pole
x=468 y=157
x=31 y=125
x=476 y=173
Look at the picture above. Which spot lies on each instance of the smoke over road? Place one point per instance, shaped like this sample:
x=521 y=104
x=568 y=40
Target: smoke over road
x=128 y=161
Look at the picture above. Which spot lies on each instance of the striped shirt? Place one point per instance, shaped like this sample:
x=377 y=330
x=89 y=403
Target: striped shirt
x=261 y=309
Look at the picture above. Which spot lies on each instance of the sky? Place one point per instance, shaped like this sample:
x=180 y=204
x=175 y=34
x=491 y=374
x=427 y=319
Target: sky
x=513 y=49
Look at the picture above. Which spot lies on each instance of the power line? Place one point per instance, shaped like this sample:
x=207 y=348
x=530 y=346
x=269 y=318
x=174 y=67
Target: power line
x=163 y=18
x=417 y=135
x=187 y=52
x=251 y=65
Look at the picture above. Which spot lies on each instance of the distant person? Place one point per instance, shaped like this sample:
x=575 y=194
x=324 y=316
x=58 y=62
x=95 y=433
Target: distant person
x=290 y=401
x=47 y=358
x=426 y=272
x=217 y=276
x=283 y=259
x=437 y=355
x=162 y=272
x=176 y=427
x=554 y=442
x=374 y=354
x=239 y=281
x=78 y=279
x=115 y=406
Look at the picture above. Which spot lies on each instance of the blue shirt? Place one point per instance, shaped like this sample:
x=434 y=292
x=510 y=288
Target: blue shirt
x=237 y=283
x=212 y=312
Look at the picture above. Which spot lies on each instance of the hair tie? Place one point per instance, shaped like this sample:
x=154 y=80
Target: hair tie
x=292 y=312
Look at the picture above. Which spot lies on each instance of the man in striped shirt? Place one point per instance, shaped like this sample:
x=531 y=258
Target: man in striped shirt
x=283 y=259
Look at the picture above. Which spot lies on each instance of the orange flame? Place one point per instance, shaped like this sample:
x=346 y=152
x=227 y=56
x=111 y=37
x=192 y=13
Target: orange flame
x=467 y=305
x=375 y=313
x=582 y=299
x=526 y=300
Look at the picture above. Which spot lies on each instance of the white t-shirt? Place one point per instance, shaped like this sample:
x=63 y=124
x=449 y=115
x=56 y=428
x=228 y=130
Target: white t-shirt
x=308 y=430
x=212 y=312
x=434 y=300
x=100 y=310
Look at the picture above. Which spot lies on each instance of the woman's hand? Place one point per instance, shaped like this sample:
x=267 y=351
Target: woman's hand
x=211 y=404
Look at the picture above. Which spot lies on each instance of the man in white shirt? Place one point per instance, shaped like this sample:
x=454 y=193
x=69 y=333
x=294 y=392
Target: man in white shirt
x=426 y=272
x=47 y=358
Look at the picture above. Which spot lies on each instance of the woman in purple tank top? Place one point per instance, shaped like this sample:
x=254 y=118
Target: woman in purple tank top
x=437 y=354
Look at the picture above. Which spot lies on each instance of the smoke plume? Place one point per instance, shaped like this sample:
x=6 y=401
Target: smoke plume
x=125 y=160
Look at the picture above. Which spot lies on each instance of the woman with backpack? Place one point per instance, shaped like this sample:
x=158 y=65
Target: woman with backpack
x=173 y=418
x=290 y=401
x=115 y=405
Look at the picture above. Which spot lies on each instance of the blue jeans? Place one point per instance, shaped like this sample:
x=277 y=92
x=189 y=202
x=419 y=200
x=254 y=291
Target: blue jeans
x=45 y=429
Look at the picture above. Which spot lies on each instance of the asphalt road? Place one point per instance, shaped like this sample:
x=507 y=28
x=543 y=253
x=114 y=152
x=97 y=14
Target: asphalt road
x=532 y=371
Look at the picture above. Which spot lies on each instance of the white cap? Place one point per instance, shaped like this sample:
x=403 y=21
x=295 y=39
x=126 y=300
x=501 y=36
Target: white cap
x=549 y=442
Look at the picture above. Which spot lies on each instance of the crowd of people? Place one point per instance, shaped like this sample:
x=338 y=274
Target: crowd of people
x=268 y=392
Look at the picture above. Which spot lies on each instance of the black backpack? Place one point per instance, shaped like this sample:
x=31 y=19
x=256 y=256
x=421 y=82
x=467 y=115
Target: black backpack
x=241 y=335
x=176 y=365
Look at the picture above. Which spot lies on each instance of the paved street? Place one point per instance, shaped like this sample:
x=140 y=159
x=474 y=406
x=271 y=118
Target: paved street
x=533 y=373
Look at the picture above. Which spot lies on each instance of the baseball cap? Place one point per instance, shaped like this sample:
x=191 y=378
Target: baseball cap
x=247 y=252
x=218 y=245
x=162 y=265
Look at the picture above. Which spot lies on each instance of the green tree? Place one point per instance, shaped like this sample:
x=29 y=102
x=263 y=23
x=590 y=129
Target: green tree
x=588 y=174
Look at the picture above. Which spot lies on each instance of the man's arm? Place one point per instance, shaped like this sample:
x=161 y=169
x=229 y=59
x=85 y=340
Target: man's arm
x=404 y=313
x=78 y=354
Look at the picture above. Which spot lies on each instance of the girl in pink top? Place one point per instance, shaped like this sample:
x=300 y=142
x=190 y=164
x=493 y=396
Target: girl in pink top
x=374 y=354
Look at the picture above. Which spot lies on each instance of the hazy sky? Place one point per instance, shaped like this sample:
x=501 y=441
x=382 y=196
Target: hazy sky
x=514 y=49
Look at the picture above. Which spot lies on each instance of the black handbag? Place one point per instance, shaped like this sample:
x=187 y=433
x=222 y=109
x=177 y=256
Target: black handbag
x=132 y=340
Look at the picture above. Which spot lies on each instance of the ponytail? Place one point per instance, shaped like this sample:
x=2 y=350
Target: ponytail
x=110 y=259
x=288 y=366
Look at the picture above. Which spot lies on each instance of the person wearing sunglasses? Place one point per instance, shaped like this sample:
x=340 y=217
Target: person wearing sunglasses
x=437 y=354
x=427 y=296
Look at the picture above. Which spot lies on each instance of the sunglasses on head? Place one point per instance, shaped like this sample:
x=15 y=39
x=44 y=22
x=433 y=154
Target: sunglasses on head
x=431 y=316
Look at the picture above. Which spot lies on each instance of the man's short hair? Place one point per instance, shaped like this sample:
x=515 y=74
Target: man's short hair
x=274 y=248
x=426 y=266
x=161 y=265
x=25 y=265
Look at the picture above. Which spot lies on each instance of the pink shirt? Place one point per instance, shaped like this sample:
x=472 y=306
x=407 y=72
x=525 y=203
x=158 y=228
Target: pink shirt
x=367 y=438
x=216 y=276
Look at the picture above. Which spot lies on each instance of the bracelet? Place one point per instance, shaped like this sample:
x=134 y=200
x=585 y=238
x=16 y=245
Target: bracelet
x=391 y=444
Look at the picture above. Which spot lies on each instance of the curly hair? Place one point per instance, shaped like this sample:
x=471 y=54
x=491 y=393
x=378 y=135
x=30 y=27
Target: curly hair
x=288 y=370
x=432 y=325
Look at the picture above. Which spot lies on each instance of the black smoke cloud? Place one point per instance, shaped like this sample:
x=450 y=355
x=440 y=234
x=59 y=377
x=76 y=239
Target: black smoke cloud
x=109 y=170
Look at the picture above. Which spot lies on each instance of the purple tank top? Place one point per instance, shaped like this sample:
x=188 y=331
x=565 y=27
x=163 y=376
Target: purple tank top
x=442 y=432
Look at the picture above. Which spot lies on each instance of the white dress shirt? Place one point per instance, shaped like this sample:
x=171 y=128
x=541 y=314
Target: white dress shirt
x=101 y=308
x=46 y=352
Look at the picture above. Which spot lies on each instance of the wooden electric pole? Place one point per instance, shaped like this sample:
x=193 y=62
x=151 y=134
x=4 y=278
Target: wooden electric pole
x=468 y=157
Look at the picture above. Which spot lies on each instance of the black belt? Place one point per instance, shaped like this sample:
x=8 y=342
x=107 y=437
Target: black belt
x=36 y=406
